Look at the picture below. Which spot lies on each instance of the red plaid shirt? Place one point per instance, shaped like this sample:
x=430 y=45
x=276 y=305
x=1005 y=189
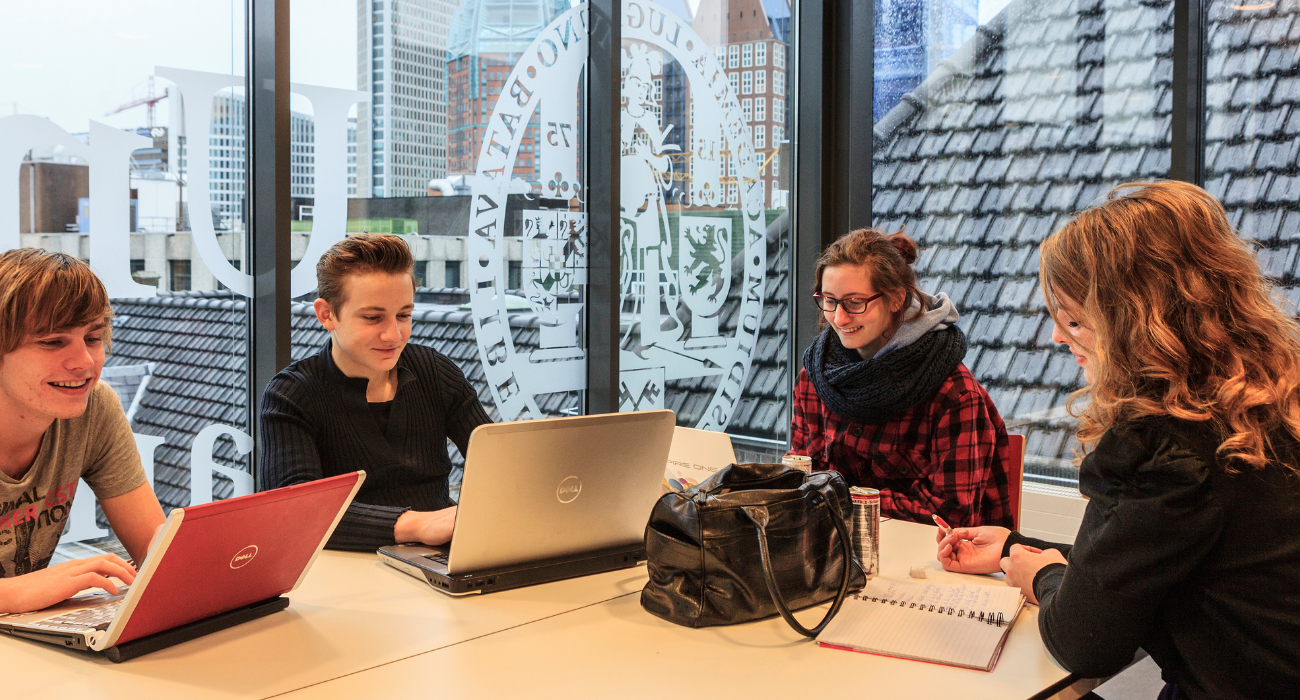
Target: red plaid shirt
x=947 y=455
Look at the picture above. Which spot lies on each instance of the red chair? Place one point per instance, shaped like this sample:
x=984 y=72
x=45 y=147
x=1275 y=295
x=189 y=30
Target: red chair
x=1016 y=475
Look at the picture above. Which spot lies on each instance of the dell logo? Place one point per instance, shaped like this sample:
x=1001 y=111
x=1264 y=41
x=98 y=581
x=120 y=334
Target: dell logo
x=244 y=556
x=569 y=489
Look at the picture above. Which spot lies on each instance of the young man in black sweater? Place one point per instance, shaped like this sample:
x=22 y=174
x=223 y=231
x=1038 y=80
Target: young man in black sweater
x=370 y=401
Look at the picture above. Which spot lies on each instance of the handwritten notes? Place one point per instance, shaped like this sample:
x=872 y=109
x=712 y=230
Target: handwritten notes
x=955 y=624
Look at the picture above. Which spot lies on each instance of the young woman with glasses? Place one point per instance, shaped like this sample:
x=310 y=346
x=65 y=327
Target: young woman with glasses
x=884 y=398
x=1189 y=546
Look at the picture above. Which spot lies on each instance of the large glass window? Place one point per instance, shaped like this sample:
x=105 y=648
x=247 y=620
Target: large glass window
x=1251 y=152
x=705 y=236
x=129 y=135
x=994 y=122
x=462 y=125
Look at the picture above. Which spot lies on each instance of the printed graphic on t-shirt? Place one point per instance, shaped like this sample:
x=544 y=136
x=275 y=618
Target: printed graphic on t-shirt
x=26 y=521
x=96 y=446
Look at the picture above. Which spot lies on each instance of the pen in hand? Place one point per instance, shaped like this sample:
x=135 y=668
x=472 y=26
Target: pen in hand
x=942 y=525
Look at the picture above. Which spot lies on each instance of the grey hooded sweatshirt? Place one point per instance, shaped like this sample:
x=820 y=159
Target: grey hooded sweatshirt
x=941 y=314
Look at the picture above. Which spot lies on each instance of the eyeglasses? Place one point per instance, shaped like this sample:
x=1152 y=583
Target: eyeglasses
x=855 y=305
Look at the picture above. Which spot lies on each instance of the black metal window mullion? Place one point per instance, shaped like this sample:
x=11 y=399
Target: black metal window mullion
x=861 y=52
x=604 y=61
x=268 y=229
x=834 y=141
x=1187 y=127
x=809 y=89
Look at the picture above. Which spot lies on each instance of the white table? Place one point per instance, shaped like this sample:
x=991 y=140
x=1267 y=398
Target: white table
x=615 y=649
x=352 y=613
x=360 y=629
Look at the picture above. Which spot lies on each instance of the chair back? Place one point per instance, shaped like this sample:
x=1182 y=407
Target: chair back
x=1016 y=475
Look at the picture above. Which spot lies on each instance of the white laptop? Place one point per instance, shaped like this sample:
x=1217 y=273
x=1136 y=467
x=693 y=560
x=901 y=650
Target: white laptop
x=545 y=500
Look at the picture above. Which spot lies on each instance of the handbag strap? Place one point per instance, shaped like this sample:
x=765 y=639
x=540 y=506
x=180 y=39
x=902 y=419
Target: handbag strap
x=759 y=516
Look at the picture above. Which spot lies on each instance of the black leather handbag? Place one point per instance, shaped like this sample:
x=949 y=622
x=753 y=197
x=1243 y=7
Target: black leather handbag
x=751 y=541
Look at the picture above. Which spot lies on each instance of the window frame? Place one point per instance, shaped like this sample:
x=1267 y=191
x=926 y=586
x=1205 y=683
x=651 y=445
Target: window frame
x=839 y=68
x=269 y=181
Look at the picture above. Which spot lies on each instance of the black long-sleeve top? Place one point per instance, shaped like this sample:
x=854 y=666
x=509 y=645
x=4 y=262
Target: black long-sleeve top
x=1199 y=567
x=316 y=423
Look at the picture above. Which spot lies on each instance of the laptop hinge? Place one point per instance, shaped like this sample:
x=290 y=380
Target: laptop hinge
x=194 y=630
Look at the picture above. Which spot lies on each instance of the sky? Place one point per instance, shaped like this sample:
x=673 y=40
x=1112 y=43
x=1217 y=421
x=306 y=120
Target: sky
x=77 y=60
x=989 y=8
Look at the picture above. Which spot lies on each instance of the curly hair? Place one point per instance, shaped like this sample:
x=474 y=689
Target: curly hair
x=1184 y=321
x=888 y=259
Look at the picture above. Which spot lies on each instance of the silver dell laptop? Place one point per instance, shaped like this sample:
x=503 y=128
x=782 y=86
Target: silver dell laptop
x=545 y=500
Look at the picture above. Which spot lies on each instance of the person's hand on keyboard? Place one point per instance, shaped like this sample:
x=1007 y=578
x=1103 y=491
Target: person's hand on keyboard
x=41 y=589
x=425 y=527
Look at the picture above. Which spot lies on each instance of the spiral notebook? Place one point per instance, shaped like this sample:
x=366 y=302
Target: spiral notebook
x=955 y=624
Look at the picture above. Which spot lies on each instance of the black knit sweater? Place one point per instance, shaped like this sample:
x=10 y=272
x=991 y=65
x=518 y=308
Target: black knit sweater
x=316 y=423
x=1198 y=566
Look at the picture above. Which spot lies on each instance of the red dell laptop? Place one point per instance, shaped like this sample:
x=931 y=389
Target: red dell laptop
x=214 y=566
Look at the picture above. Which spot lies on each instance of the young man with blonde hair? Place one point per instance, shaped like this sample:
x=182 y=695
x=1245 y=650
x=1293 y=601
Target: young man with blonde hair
x=58 y=424
x=370 y=401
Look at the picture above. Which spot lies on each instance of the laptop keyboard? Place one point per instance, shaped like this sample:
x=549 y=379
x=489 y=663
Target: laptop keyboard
x=96 y=618
x=439 y=557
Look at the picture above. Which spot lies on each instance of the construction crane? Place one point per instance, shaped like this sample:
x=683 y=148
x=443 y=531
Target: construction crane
x=149 y=100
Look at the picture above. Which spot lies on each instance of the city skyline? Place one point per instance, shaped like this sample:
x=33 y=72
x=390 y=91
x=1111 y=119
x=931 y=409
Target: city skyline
x=415 y=102
x=160 y=33
x=402 y=64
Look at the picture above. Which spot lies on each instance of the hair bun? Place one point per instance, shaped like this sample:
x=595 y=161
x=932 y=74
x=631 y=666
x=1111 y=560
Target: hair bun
x=905 y=245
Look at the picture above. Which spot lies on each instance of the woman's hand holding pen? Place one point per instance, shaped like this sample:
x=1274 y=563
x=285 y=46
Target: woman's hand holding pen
x=972 y=550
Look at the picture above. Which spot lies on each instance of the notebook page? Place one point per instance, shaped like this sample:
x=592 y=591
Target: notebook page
x=962 y=597
x=903 y=628
x=894 y=631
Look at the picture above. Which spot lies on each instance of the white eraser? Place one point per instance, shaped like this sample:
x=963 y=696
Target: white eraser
x=917 y=572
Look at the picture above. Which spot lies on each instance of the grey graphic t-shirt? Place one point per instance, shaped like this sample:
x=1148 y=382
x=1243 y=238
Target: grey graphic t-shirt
x=96 y=446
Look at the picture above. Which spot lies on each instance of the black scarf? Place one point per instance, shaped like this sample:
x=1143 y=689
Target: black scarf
x=875 y=390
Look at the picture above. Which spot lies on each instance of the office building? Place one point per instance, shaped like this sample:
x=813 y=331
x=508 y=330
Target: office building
x=750 y=39
x=487 y=37
x=227 y=165
x=401 y=62
x=987 y=140
x=352 y=157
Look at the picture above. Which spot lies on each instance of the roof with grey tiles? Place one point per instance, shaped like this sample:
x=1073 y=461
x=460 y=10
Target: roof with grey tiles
x=1048 y=106
x=1253 y=121
x=194 y=342
x=128 y=382
x=1044 y=110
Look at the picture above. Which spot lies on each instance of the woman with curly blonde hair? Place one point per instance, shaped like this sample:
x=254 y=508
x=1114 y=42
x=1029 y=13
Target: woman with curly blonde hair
x=1190 y=546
